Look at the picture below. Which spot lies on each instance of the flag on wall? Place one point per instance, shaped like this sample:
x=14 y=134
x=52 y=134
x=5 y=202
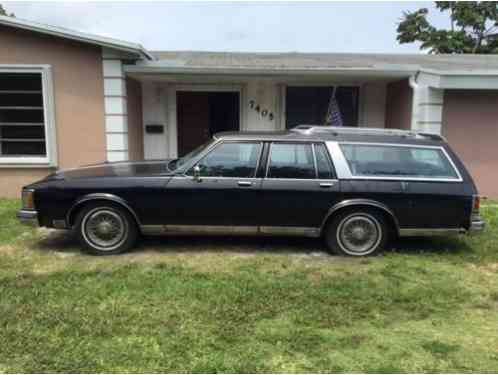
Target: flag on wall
x=333 y=116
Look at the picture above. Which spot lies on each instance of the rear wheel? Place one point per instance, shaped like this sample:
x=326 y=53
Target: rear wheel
x=106 y=229
x=358 y=232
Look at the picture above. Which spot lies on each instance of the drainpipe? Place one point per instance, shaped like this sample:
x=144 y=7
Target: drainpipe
x=415 y=87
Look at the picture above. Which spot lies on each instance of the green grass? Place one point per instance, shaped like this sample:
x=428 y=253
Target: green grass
x=247 y=305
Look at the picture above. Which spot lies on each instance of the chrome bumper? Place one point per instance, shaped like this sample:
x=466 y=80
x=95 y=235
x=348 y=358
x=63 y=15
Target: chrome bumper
x=28 y=217
x=477 y=226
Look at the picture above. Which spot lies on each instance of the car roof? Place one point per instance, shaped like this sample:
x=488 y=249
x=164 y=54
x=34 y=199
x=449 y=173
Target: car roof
x=313 y=133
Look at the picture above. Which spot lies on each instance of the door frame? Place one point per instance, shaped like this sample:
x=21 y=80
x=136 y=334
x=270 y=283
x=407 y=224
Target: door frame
x=172 y=112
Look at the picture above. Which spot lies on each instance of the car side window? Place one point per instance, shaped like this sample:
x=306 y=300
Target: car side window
x=291 y=160
x=324 y=167
x=398 y=161
x=231 y=159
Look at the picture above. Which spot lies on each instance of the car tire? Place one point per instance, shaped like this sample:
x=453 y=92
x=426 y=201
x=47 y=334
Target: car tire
x=358 y=232
x=105 y=229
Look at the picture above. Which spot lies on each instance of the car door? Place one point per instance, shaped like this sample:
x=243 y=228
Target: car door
x=225 y=193
x=299 y=187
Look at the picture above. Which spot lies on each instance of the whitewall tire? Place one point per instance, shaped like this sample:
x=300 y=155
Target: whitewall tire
x=358 y=232
x=105 y=229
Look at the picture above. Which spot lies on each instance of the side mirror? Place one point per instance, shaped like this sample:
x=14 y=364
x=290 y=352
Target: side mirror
x=197 y=173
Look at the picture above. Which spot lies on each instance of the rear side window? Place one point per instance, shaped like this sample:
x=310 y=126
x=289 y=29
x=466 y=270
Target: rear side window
x=398 y=161
x=291 y=160
x=324 y=167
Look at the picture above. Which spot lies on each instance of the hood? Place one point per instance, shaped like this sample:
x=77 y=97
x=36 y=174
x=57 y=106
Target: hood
x=117 y=169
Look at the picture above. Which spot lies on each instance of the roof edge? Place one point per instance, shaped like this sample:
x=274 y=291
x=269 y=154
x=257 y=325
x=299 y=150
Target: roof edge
x=225 y=70
x=61 y=32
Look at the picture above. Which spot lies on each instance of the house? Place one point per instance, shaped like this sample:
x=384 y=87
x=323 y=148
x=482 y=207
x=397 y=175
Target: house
x=69 y=99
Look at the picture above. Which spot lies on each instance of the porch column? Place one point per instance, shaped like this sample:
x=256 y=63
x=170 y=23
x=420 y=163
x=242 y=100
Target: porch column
x=116 y=117
x=427 y=108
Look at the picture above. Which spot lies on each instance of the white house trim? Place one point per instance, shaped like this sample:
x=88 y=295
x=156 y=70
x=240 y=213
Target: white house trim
x=50 y=160
x=115 y=106
x=427 y=107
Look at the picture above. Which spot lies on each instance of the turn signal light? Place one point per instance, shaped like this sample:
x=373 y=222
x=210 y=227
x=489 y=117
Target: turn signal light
x=28 y=199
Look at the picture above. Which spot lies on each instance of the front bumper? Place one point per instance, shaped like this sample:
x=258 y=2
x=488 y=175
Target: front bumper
x=28 y=217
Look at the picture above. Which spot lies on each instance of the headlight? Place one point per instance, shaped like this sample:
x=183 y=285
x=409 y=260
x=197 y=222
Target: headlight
x=28 y=199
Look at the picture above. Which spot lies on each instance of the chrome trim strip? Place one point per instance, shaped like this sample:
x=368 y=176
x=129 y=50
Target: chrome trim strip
x=358 y=202
x=291 y=231
x=210 y=229
x=100 y=196
x=228 y=230
x=255 y=179
x=152 y=230
x=408 y=232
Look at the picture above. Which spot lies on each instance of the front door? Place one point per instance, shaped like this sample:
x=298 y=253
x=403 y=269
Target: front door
x=192 y=119
x=200 y=114
x=227 y=192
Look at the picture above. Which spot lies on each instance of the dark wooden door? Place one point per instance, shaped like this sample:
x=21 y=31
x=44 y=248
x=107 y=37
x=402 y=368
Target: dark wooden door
x=193 y=120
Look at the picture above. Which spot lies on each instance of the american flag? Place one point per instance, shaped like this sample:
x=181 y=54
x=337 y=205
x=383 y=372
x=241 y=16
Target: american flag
x=333 y=117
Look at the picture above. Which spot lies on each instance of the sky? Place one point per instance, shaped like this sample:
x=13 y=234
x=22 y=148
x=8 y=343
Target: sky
x=236 y=26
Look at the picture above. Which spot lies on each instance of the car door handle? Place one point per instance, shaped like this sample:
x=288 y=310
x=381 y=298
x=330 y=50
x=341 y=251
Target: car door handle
x=326 y=185
x=244 y=183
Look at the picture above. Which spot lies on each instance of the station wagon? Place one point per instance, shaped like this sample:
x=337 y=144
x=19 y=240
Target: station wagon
x=354 y=187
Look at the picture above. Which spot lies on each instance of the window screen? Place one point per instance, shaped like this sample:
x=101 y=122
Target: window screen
x=22 y=123
x=309 y=105
x=231 y=160
x=397 y=161
x=291 y=160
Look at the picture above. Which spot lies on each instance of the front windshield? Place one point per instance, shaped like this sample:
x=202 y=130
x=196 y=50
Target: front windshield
x=177 y=163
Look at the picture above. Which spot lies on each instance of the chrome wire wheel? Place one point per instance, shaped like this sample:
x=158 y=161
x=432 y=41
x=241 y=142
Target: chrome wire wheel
x=359 y=234
x=104 y=228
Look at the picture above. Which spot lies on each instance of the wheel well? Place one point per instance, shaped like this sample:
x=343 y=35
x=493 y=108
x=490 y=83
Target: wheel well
x=79 y=206
x=390 y=220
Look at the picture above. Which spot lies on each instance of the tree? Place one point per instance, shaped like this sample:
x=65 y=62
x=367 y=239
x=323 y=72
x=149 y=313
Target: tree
x=473 y=28
x=3 y=12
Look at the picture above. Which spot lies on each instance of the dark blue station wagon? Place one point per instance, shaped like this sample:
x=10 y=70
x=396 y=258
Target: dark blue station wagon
x=356 y=188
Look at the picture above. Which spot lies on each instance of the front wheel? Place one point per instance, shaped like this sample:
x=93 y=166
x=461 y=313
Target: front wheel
x=358 y=232
x=106 y=229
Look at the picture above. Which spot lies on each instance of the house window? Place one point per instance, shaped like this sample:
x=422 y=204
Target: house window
x=23 y=117
x=321 y=105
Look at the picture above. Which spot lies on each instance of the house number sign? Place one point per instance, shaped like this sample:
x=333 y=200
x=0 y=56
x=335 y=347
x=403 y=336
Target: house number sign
x=262 y=111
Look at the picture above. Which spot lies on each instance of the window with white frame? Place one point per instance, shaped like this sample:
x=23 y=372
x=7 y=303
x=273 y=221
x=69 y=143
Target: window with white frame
x=369 y=160
x=23 y=117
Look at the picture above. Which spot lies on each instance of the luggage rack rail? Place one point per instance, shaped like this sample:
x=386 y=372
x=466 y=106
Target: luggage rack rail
x=337 y=130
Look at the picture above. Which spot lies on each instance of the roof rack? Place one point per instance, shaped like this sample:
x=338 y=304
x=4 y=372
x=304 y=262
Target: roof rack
x=336 y=130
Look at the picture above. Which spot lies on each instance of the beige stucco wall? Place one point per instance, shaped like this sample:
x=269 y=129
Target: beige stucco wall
x=13 y=179
x=135 y=123
x=399 y=105
x=470 y=123
x=78 y=96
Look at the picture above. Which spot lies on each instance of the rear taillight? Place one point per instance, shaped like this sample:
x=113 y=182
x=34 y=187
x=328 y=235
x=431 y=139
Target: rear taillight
x=477 y=204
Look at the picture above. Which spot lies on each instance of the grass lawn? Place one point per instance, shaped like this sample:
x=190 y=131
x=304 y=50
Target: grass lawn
x=247 y=305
